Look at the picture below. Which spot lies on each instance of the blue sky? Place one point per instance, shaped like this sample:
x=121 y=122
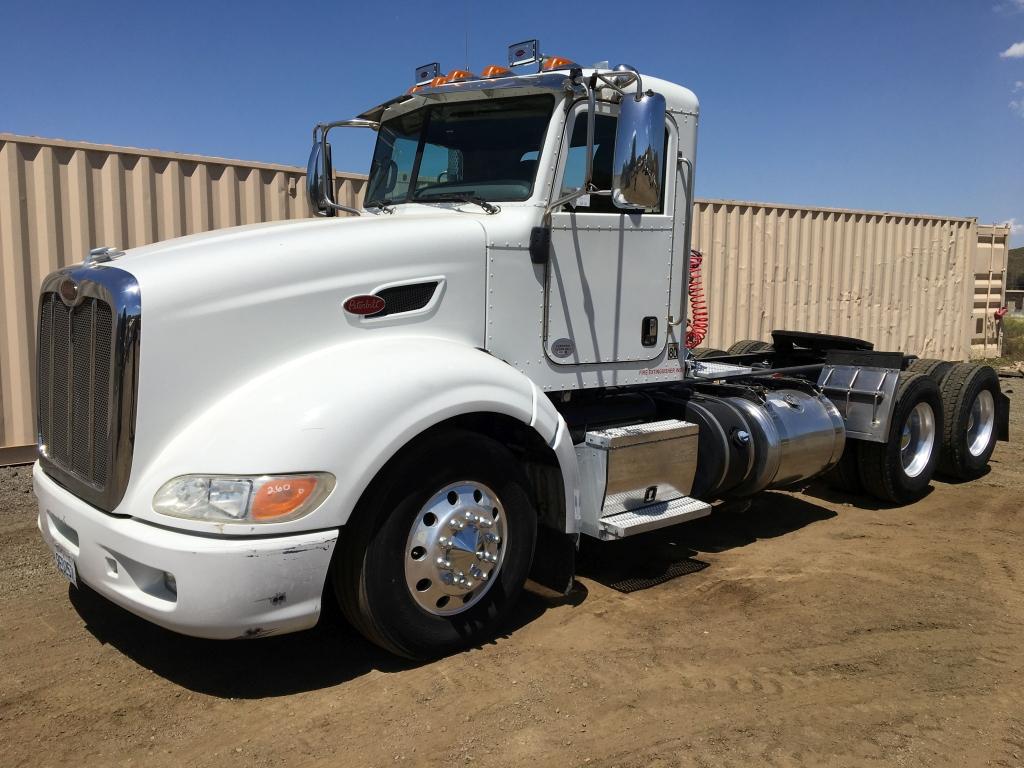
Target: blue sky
x=876 y=104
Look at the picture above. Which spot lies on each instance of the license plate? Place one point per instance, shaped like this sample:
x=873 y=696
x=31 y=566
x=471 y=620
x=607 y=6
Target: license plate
x=66 y=565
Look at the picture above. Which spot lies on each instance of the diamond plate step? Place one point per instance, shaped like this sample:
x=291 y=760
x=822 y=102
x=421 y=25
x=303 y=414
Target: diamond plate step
x=652 y=517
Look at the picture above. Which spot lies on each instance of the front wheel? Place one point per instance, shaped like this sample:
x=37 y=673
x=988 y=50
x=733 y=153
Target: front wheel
x=439 y=550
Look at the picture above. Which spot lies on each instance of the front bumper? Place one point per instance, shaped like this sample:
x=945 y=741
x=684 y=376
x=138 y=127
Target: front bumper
x=226 y=587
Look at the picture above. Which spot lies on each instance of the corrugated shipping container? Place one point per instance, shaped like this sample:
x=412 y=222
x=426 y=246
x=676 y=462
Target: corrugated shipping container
x=905 y=282
x=902 y=281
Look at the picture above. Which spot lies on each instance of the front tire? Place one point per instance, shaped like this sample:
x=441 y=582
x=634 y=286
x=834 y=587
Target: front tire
x=899 y=470
x=438 y=550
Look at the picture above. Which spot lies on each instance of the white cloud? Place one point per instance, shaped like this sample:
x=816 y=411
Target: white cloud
x=1015 y=228
x=1018 y=86
x=1017 y=105
x=1015 y=51
x=1009 y=6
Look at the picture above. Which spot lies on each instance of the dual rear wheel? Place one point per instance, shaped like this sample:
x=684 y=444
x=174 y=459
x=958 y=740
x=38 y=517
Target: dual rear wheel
x=944 y=421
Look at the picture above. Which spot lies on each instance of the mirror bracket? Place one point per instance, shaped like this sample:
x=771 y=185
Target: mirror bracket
x=320 y=171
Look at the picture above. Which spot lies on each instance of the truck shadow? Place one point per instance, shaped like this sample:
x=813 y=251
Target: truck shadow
x=330 y=654
x=821 y=490
x=658 y=556
x=333 y=653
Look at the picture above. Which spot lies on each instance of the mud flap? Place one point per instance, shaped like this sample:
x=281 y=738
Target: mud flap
x=554 y=561
x=1002 y=417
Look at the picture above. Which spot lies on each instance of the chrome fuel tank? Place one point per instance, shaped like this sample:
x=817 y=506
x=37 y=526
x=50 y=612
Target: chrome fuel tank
x=763 y=438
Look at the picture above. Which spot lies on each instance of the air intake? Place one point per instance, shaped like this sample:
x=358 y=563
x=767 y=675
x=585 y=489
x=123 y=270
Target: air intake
x=405 y=298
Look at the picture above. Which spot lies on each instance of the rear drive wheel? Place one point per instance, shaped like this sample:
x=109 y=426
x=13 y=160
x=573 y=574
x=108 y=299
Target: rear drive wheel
x=969 y=398
x=845 y=476
x=750 y=345
x=900 y=469
x=700 y=354
x=438 y=551
x=935 y=369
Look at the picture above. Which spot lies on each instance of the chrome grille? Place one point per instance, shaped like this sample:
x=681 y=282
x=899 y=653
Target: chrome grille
x=74 y=385
x=86 y=375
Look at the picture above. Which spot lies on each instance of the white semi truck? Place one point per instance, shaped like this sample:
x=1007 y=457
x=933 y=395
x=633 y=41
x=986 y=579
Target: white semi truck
x=415 y=409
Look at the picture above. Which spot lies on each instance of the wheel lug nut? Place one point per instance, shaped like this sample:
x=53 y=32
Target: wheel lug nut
x=444 y=563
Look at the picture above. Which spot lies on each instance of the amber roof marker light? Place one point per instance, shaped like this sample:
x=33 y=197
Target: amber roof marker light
x=551 y=63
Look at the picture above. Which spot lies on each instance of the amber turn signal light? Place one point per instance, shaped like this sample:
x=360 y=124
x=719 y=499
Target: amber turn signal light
x=282 y=496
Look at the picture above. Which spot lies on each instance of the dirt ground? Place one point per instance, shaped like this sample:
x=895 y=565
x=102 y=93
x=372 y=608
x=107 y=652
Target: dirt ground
x=812 y=631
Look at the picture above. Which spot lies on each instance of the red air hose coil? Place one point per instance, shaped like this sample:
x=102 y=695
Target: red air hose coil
x=697 y=322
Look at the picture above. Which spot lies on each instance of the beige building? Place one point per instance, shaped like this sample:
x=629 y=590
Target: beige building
x=922 y=284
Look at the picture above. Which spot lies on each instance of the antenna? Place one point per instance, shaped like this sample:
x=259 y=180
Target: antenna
x=466 y=19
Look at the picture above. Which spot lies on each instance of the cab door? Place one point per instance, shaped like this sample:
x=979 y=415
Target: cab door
x=609 y=277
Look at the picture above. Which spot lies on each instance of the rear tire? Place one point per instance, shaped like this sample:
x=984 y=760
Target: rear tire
x=700 y=354
x=969 y=394
x=934 y=369
x=750 y=345
x=388 y=574
x=845 y=476
x=899 y=470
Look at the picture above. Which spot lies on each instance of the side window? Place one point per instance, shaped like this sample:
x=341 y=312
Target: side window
x=604 y=150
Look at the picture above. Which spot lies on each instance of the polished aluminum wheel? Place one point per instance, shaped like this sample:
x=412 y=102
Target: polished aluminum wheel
x=455 y=548
x=981 y=422
x=918 y=439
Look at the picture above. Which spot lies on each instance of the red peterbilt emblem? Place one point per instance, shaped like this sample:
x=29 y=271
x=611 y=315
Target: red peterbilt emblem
x=364 y=305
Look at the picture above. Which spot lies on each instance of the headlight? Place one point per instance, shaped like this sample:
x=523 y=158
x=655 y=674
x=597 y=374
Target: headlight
x=243 y=499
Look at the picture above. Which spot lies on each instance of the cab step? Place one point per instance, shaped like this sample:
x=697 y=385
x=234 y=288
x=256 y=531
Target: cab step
x=652 y=517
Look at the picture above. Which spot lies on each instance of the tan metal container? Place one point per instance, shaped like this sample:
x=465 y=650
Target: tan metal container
x=902 y=281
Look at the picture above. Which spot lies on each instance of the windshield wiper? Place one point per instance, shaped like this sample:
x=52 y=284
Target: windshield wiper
x=381 y=205
x=459 y=197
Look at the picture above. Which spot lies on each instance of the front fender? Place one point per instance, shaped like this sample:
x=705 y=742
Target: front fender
x=347 y=409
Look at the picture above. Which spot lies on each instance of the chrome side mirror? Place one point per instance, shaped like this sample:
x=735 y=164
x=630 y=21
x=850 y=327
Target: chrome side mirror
x=638 y=167
x=318 y=170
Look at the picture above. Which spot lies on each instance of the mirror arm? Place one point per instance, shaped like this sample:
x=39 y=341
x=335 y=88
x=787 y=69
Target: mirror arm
x=587 y=187
x=591 y=120
x=687 y=234
x=626 y=77
x=327 y=184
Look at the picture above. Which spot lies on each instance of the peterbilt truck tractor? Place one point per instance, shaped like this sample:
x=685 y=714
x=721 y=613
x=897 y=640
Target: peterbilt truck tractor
x=415 y=408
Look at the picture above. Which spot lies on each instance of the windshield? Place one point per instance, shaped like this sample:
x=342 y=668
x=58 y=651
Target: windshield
x=487 y=149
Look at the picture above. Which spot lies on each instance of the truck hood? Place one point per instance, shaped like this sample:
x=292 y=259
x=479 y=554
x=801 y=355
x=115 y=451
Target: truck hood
x=221 y=308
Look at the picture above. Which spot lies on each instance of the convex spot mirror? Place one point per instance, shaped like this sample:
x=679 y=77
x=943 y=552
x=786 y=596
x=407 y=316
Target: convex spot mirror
x=638 y=166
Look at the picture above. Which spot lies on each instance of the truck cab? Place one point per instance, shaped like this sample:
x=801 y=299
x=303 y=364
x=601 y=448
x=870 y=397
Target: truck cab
x=414 y=408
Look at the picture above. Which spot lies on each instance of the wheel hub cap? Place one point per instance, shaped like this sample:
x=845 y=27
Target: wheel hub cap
x=917 y=440
x=981 y=423
x=455 y=548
